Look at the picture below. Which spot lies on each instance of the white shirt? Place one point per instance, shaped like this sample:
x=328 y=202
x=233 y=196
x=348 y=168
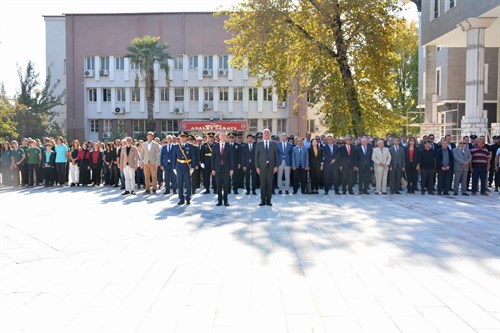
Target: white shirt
x=149 y=145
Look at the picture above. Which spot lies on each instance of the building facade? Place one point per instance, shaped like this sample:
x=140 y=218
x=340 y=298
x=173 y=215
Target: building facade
x=459 y=75
x=203 y=91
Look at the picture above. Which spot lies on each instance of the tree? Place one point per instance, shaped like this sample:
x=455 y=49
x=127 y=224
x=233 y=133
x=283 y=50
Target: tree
x=7 y=111
x=37 y=118
x=144 y=53
x=339 y=51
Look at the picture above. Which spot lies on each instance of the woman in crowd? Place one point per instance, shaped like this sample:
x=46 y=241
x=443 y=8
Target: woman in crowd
x=109 y=158
x=74 y=170
x=61 y=151
x=381 y=160
x=412 y=163
x=5 y=164
x=139 y=173
x=96 y=164
x=48 y=165
x=315 y=165
x=84 y=165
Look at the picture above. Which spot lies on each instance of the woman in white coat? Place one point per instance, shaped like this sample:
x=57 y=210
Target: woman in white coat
x=381 y=161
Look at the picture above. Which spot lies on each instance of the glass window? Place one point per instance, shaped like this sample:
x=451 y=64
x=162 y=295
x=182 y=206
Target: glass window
x=438 y=81
x=139 y=128
x=164 y=95
x=179 y=94
x=252 y=94
x=193 y=62
x=208 y=62
x=122 y=128
x=311 y=125
x=281 y=126
x=105 y=63
x=209 y=94
x=106 y=126
x=94 y=126
x=120 y=94
x=89 y=63
x=133 y=66
x=92 y=94
x=106 y=94
x=268 y=123
x=435 y=6
x=252 y=125
x=238 y=94
x=223 y=62
x=452 y=4
x=193 y=94
x=119 y=63
x=179 y=62
x=268 y=94
x=223 y=94
x=170 y=126
x=136 y=94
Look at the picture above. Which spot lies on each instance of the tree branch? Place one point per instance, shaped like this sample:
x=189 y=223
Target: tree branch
x=306 y=34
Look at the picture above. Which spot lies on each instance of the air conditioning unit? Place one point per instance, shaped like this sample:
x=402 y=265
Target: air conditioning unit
x=281 y=104
x=207 y=72
x=207 y=106
x=178 y=110
x=222 y=72
x=119 y=110
x=103 y=72
x=89 y=73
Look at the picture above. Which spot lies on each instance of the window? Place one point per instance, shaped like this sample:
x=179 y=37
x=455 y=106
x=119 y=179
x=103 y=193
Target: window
x=311 y=125
x=268 y=94
x=92 y=94
x=106 y=94
x=193 y=62
x=179 y=94
x=252 y=94
x=209 y=94
x=452 y=4
x=119 y=63
x=193 y=94
x=223 y=62
x=268 y=123
x=105 y=63
x=94 y=126
x=423 y=84
x=106 y=126
x=122 y=128
x=252 y=125
x=281 y=126
x=223 y=94
x=136 y=94
x=208 y=62
x=89 y=63
x=120 y=94
x=164 y=95
x=133 y=66
x=238 y=94
x=139 y=127
x=179 y=62
x=438 y=81
x=170 y=126
x=435 y=9
x=486 y=72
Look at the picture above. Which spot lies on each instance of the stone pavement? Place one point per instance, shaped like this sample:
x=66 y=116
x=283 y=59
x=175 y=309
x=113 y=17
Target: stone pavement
x=90 y=260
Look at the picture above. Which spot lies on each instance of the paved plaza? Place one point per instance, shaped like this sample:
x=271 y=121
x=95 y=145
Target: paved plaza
x=91 y=260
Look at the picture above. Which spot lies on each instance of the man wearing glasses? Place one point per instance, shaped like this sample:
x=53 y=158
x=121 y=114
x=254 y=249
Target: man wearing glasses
x=462 y=157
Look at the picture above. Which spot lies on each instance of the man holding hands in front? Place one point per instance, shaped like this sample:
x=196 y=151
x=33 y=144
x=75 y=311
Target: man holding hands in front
x=266 y=165
x=223 y=167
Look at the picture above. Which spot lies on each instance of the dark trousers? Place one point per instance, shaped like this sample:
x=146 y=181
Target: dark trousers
x=139 y=177
x=315 y=178
x=250 y=176
x=266 y=183
x=61 y=172
x=48 y=175
x=479 y=174
x=108 y=175
x=427 y=180
x=300 y=178
x=183 y=181
x=444 y=181
x=347 y=178
x=116 y=174
x=235 y=182
x=32 y=174
x=170 y=178
x=38 y=175
x=96 y=174
x=395 y=179
x=24 y=174
x=364 y=179
x=84 y=178
x=207 y=175
x=159 y=176
x=412 y=175
x=332 y=176
x=223 y=184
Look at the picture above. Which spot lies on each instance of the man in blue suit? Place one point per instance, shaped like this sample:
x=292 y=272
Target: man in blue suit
x=284 y=163
x=347 y=159
x=300 y=165
x=167 y=165
x=331 y=165
x=184 y=163
x=248 y=163
x=223 y=163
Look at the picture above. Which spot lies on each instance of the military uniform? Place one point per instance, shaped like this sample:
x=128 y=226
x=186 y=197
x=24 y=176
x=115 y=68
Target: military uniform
x=184 y=162
x=206 y=159
x=196 y=175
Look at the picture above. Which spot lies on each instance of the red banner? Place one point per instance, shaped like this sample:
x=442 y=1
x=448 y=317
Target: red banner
x=239 y=126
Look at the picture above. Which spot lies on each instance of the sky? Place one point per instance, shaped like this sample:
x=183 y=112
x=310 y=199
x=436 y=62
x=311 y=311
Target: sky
x=22 y=27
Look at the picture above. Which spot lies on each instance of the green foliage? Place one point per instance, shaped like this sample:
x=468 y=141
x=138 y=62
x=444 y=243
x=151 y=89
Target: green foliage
x=144 y=53
x=37 y=118
x=341 y=52
x=8 y=108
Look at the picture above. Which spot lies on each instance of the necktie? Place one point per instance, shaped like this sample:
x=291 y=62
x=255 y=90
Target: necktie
x=331 y=149
x=250 y=147
x=396 y=148
x=267 y=147
x=300 y=150
x=349 y=150
x=222 y=150
x=283 y=147
x=364 y=150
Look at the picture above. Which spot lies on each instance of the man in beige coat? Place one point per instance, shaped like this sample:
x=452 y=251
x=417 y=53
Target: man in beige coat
x=381 y=161
x=150 y=162
x=129 y=160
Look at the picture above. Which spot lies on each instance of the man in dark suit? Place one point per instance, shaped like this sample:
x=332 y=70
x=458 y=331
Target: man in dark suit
x=364 y=165
x=248 y=163
x=300 y=165
x=223 y=167
x=397 y=166
x=266 y=165
x=347 y=164
x=206 y=163
x=331 y=165
x=237 y=161
x=167 y=165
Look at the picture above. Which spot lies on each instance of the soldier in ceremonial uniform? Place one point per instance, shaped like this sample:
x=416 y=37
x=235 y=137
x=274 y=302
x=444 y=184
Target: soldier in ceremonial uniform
x=206 y=163
x=184 y=163
x=196 y=176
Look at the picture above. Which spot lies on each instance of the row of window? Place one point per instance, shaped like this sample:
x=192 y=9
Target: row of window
x=208 y=63
x=435 y=7
x=179 y=94
x=172 y=125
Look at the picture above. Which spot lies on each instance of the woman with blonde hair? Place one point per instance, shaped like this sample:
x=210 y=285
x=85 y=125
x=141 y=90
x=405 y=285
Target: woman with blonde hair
x=74 y=171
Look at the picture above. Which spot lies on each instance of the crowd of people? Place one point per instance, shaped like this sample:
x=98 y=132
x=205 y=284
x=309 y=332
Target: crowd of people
x=226 y=162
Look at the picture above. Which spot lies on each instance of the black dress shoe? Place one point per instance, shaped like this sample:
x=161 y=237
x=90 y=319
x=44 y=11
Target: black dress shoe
x=248 y=193
x=236 y=192
x=219 y=204
x=360 y=192
x=326 y=193
x=206 y=192
x=273 y=193
x=166 y=192
x=126 y=192
x=351 y=192
x=397 y=192
x=254 y=193
x=466 y=194
x=455 y=193
x=337 y=193
x=294 y=192
x=188 y=201
x=280 y=192
x=132 y=192
x=286 y=192
x=175 y=191
x=269 y=203
x=226 y=204
x=366 y=192
x=147 y=192
x=262 y=203
x=181 y=202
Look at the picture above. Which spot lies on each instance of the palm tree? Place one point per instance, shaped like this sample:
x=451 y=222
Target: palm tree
x=144 y=53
